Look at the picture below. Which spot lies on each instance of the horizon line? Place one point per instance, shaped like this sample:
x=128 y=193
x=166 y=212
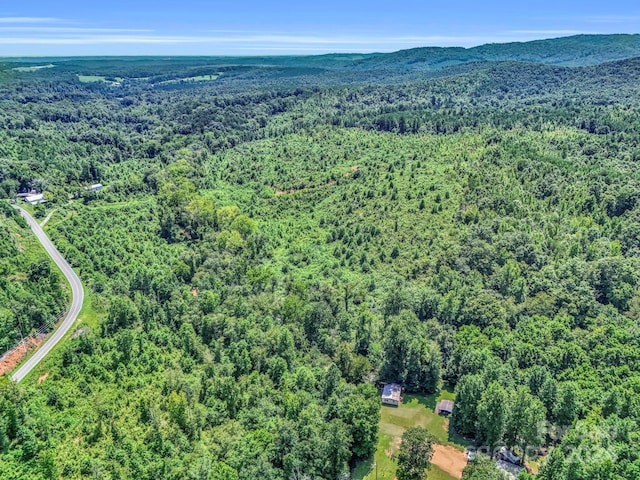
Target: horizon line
x=310 y=49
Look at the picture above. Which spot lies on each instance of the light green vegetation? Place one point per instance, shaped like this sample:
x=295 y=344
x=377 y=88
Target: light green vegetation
x=33 y=68
x=114 y=81
x=197 y=78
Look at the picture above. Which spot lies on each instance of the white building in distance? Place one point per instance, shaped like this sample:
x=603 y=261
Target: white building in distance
x=35 y=199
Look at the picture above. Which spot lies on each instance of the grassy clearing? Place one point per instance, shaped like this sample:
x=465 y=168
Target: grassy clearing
x=416 y=410
x=33 y=68
x=99 y=79
x=91 y=78
x=198 y=78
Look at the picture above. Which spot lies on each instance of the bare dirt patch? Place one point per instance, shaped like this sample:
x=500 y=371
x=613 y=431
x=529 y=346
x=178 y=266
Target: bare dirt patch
x=353 y=170
x=12 y=358
x=394 y=446
x=449 y=459
x=284 y=192
x=42 y=378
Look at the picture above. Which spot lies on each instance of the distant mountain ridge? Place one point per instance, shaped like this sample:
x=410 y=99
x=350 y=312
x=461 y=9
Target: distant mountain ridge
x=585 y=51
x=574 y=51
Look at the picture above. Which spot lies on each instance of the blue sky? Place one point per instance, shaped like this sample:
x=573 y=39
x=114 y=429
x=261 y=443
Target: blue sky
x=245 y=27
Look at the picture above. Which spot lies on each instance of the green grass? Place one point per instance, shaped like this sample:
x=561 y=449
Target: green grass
x=98 y=78
x=415 y=410
x=198 y=78
x=34 y=68
x=91 y=78
x=89 y=315
x=436 y=473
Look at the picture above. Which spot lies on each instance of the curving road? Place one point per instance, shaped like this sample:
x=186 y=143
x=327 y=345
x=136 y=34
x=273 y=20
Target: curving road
x=76 y=302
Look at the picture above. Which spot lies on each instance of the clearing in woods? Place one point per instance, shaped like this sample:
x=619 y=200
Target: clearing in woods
x=416 y=410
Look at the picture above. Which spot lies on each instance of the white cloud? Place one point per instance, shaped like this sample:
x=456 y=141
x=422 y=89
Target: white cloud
x=30 y=38
x=261 y=41
x=20 y=20
x=71 y=30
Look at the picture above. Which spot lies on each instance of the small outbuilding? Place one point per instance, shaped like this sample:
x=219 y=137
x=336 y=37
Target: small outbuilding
x=96 y=187
x=444 y=407
x=392 y=394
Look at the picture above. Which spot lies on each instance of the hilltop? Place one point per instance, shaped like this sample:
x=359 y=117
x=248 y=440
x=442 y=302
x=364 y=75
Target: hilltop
x=574 y=51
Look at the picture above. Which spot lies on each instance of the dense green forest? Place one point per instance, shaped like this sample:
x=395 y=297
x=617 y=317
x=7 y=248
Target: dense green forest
x=279 y=236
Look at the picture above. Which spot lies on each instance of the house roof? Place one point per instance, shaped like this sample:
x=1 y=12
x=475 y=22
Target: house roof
x=392 y=391
x=444 y=406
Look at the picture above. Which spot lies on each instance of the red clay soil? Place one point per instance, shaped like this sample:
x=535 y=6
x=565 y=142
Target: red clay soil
x=12 y=358
x=284 y=192
x=449 y=459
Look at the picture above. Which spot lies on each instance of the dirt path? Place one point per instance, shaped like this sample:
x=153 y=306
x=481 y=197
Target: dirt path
x=47 y=218
x=449 y=459
x=277 y=192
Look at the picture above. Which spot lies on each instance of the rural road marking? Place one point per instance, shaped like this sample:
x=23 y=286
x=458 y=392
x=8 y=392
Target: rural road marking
x=76 y=302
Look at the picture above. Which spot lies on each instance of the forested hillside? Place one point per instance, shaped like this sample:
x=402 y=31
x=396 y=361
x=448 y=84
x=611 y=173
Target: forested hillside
x=277 y=237
x=32 y=291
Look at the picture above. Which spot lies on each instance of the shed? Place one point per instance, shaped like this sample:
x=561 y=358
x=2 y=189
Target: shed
x=391 y=394
x=444 y=407
x=96 y=187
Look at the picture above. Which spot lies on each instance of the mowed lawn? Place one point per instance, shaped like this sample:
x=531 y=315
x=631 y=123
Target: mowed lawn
x=415 y=410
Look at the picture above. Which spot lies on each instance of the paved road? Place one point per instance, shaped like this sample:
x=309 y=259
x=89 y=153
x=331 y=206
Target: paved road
x=76 y=302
